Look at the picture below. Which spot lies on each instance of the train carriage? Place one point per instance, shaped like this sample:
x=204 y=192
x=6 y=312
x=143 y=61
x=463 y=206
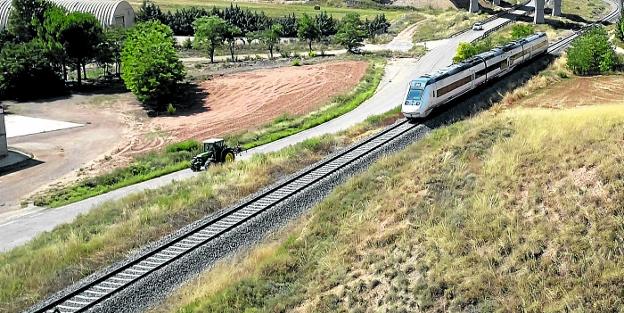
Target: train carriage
x=430 y=91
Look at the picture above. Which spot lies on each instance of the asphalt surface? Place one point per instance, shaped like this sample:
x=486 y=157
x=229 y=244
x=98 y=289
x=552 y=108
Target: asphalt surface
x=19 y=229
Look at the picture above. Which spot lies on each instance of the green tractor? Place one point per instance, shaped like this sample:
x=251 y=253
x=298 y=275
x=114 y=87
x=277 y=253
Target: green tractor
x=214 y=151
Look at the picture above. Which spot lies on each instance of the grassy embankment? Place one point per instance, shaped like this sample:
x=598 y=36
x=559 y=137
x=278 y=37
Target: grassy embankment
x=169 y=160
x=279 y=9
x=106 y=234
x=589 y=10
x=444 y=24
x=517 y=209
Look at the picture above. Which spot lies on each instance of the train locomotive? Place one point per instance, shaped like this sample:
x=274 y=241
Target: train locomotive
x=430 y=91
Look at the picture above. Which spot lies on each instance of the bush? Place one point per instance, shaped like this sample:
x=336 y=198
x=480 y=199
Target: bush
x=296 y=62
x=467 y=50
x=151 y=67
x=521 y=31
x=592 y=53
x=186 y=145
x=171 y=109
x=24 y=67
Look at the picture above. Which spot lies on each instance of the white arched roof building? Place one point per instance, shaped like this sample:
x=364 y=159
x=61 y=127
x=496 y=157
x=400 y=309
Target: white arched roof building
x=108 y=12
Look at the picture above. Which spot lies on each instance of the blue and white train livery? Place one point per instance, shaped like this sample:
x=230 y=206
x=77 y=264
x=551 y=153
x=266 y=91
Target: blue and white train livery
x=430 y=91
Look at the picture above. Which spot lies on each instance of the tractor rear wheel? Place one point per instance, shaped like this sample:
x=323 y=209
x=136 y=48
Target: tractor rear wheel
x=229 y=156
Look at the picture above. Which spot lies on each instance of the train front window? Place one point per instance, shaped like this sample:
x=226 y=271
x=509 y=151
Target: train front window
x=414 y=94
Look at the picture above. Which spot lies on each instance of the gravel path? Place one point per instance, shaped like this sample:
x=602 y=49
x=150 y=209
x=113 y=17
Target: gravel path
x=18 y=230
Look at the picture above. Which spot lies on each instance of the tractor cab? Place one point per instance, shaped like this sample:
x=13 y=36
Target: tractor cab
x=213 y=145
x=213 y=151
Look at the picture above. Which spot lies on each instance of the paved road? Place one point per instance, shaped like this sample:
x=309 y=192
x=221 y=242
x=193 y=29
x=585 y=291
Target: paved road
x=16 y=230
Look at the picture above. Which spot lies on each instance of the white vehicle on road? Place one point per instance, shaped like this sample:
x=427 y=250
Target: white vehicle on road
x=477 y=26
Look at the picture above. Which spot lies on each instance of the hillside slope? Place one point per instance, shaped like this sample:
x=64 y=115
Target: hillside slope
x=520 y=210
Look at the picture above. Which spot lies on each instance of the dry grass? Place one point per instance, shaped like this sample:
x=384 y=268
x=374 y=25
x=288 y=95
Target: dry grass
x=515 y=211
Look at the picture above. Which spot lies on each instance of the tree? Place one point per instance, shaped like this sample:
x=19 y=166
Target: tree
x=592 y=53
x=149 y=11
x=351 y=32
x=27 y=72
x=24 y=18
x=379 y=25
x=326 y=24
x=231 y=34
x=619 y=27
x=308 y=30
x=48 y=34
x=209 y=33
x=150 y=65
x=80 y=35
x=109 y=52
x=271 y=37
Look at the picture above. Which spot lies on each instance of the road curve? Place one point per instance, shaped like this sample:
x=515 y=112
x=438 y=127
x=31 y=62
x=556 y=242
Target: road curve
x=18 y=230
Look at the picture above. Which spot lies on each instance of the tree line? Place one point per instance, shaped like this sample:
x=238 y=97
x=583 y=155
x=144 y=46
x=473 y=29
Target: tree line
x=181 y=21
x=43 y=42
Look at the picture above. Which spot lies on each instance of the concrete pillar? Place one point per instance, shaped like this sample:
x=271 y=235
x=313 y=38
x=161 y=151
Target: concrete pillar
x=539 y=12
x=3 y=139
x=556 y=10
x=474 y=6
x=496 y=2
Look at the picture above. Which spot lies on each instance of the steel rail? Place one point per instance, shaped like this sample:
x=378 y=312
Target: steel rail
x=101 y=289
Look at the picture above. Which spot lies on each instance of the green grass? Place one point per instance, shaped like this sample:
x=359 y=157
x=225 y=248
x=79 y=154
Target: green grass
x=285 y=126
x=56 y=259
x=515 y=211
x=175 y=157
x=589 y=10
x=277 y=9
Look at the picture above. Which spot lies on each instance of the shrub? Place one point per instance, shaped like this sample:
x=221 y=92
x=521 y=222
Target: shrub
x=592 y=53
x=171 y=109
x=466 y=50
x=186 y=145
x=521 y=31
x=296 y=62
x=151 y=67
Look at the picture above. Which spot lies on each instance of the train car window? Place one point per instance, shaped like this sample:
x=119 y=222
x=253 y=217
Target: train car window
x=452 y=86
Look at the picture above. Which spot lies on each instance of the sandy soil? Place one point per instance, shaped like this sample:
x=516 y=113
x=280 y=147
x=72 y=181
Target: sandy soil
x=580 y=91
x=62 y=153
x=246 y=100
x=117 y=128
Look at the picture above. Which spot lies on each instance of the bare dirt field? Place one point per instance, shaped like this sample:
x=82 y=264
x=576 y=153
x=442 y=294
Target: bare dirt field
x=117 y=128
x=578 y=91
x=246 y=100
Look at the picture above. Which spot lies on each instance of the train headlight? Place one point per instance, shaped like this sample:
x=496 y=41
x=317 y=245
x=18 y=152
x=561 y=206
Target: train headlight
x=412 y=102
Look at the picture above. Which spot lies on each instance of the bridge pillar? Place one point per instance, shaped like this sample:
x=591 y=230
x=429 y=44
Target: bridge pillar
x=3 y=138
x=474 y=6
x=496 y=2
x=556 y=7
x=539 y=11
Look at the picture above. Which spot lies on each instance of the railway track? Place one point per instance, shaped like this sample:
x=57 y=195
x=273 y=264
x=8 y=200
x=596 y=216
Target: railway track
x=106 y=286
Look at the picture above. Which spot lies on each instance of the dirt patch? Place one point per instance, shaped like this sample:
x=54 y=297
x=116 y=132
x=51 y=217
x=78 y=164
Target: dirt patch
x=247 y=100
x=579 y=91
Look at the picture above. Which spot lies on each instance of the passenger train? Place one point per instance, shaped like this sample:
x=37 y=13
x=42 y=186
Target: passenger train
x=430 y=91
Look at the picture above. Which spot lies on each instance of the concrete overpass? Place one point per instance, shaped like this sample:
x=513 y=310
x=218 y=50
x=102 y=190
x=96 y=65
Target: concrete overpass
x=539 y=8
